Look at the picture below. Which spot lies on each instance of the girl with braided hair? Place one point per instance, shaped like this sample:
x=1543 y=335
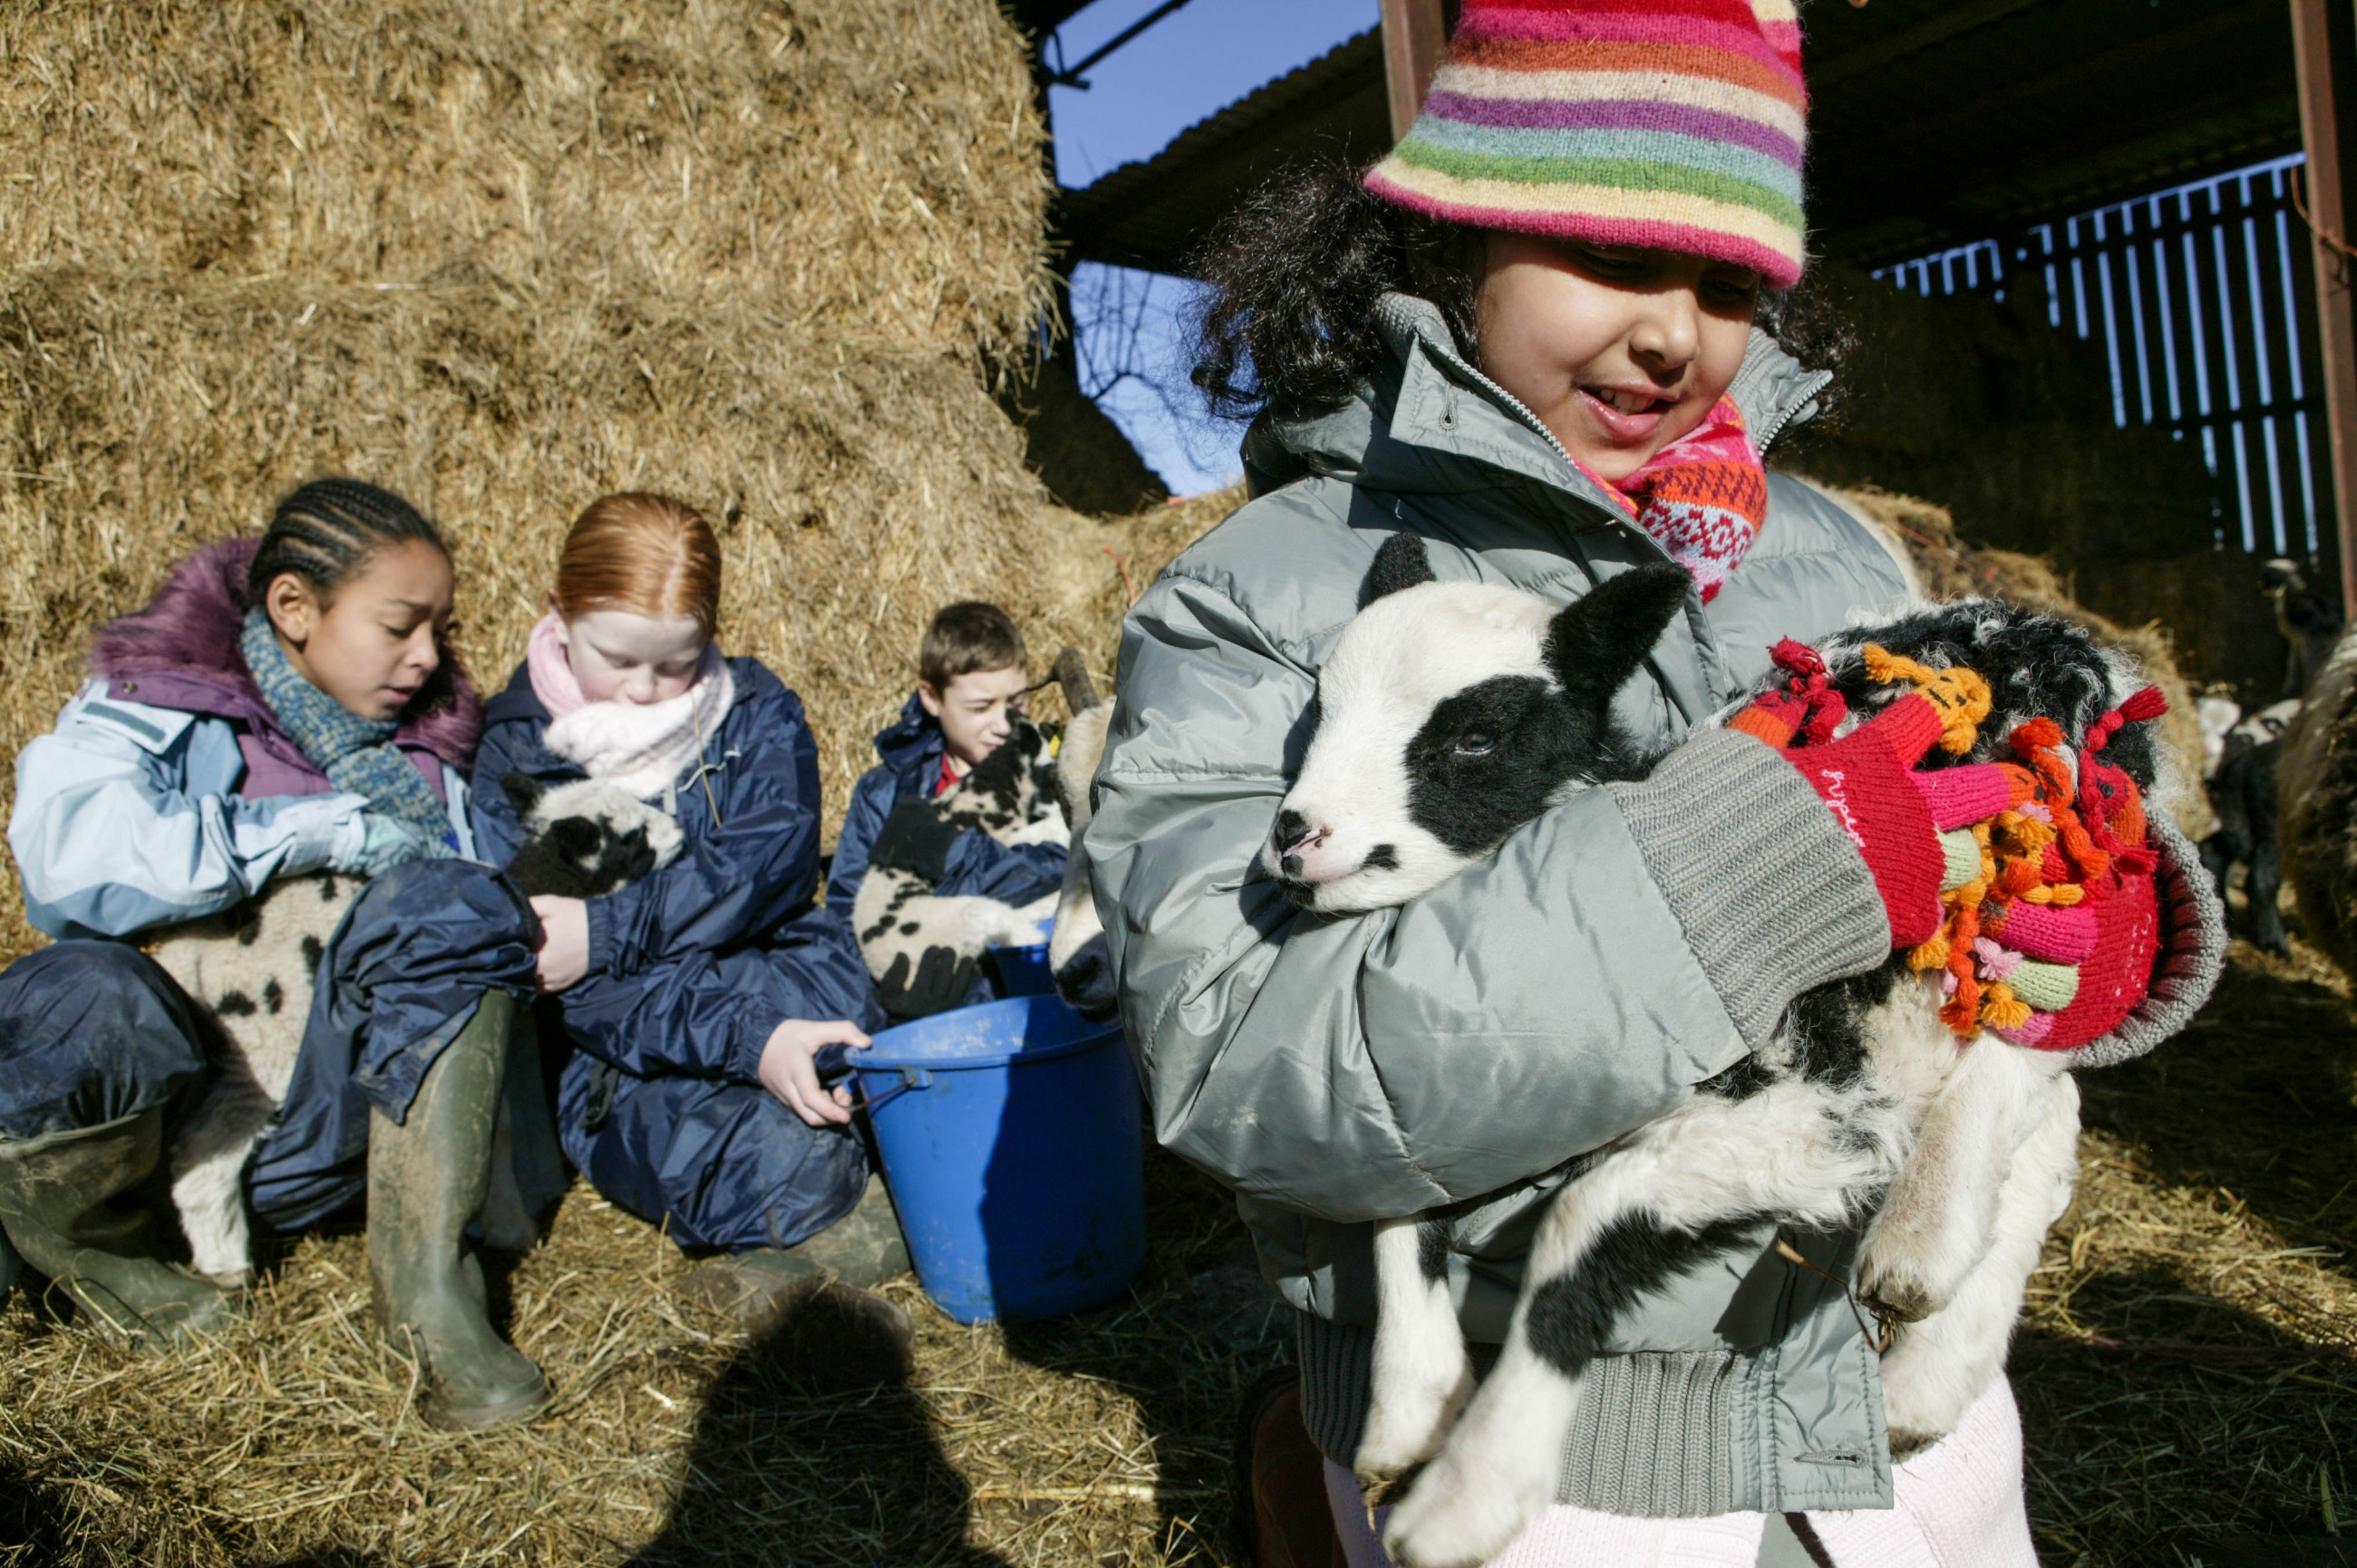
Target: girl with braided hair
x=284 y=706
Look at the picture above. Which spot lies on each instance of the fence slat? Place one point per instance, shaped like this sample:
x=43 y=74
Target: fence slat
x=2205 y=310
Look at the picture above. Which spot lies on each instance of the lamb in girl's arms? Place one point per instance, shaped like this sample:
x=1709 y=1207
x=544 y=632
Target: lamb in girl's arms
x=1450 y=714
x=251 y=971
x=923 y=948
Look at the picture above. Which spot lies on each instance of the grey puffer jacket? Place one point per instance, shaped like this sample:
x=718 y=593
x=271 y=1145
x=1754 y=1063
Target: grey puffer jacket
x=1460 y=1049
x=1458 y=1052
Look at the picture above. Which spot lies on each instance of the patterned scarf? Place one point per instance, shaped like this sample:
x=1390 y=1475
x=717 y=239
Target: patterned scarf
x=1702 y=498
x=357 y=754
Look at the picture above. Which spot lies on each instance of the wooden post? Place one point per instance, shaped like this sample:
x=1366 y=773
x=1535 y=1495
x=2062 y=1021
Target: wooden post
x=1414 y=41
x=2324 y=48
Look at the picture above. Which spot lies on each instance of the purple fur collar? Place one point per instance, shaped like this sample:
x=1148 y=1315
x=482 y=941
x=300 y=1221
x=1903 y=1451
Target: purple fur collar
x=181 y=652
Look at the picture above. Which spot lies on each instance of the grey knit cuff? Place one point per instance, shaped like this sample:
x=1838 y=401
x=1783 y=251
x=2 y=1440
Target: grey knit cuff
x=1773 y=898
x=1651 y=1437
x=1338 y=1374
x=2192 y=952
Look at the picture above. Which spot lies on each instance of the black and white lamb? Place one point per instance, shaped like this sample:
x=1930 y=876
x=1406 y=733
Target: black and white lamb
x=1451 y=713
x=251 y=971
x=1011 y=796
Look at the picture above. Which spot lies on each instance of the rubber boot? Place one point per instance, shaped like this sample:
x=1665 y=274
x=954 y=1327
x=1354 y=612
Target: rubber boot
x=863 y=1248
x=63 y=1207
x=428 y=1178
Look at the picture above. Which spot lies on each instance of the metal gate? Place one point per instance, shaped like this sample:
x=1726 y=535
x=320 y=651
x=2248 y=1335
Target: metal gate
x=2205 y=300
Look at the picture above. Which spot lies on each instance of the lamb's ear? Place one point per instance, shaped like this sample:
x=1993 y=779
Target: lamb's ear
x=523 y=789
x=1596 y=643
x=1401 y=563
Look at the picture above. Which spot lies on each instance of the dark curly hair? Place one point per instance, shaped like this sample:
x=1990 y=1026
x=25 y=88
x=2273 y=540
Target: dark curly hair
x=1292 y=274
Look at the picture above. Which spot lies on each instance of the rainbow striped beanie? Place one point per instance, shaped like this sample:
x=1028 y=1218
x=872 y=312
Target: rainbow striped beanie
x=1671 y=124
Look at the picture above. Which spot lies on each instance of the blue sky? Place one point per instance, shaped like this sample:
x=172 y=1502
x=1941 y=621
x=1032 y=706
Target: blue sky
x=1185 y=67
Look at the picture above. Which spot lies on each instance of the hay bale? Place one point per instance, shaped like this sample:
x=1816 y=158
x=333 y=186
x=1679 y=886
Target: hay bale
x=1949 y=568
x=504 y=257
x=1978 y=405
x=867 y=166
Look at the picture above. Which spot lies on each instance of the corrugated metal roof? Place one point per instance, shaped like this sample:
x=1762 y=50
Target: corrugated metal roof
x=1151 y=213
x=1934 y=122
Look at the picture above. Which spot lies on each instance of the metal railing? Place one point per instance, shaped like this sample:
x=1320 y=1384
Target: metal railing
x=2205 y=300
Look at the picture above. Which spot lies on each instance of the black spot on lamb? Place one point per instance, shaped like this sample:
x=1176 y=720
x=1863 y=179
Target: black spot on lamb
x=1451 y=713
x=251 y=970
x=901 y=920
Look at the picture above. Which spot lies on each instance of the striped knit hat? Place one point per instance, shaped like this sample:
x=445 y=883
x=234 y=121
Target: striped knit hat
x=1675 y=125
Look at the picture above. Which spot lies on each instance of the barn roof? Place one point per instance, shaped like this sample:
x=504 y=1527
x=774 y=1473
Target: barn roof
x=1935 y=122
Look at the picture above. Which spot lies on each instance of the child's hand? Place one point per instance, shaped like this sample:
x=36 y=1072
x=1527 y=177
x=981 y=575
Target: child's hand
x=565 y=941
x=786 y=1070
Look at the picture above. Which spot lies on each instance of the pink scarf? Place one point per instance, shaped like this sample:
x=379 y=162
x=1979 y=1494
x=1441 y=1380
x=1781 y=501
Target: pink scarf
x=1702 y=498
x=642 y=748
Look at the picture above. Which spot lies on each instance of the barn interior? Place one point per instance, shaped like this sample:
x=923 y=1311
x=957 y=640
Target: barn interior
x=796 y=260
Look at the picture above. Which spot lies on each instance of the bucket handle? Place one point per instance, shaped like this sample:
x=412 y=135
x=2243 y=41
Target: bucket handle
x=911 y=1078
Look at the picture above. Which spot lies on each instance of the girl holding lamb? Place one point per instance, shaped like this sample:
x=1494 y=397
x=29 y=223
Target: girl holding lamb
x=1551 y=334
x=698 y=998
x=282 y=707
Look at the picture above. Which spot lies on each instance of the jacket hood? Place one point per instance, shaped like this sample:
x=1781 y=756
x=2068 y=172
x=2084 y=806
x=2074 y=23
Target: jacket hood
x=182 y=651
x=1438 y=425
x=910 y=741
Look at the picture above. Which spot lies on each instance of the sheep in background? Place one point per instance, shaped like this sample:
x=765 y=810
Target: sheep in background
x=2308 y=619
x=2217 y=712
x=251 y=971
x=2316 y=797
x=2242 y=786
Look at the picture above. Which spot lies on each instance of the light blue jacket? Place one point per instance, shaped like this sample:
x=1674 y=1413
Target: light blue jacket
x=127 y=817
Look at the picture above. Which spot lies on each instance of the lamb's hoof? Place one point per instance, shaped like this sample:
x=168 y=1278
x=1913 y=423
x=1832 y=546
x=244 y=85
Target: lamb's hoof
x=1387 y=1454
x=1452 y=1519
x=1402 y=1434
x=1897 y=1301
x=1897 y=1284
x=1905 y=1444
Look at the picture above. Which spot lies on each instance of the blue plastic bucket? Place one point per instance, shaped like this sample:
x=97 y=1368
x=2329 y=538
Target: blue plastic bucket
x=1024 y=972
x=1009 y=1135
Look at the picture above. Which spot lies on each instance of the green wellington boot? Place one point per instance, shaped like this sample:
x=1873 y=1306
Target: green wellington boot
x=865 y=1247
x=67 y=1205
x=426 y=1178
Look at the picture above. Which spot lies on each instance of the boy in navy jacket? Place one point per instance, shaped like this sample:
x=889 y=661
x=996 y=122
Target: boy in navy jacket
x=969 y=688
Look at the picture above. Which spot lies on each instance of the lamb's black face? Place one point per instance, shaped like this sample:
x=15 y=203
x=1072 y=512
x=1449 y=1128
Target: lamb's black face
x=1004 y=788
x=1490 y=758
x=1450 y=714
x=624 y=861
x=602 y=838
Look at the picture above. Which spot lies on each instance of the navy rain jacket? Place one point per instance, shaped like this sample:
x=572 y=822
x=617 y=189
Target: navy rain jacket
x=692 y=968
x=978 y=866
